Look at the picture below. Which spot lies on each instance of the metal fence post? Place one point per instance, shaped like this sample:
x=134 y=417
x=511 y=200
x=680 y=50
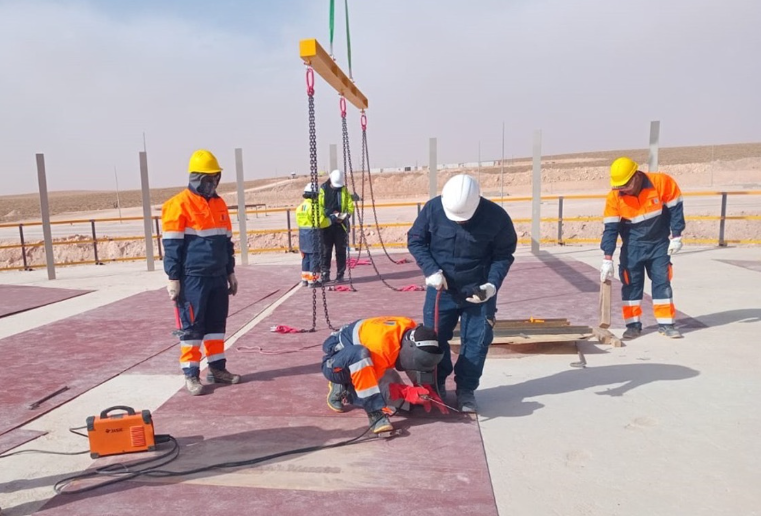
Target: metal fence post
x=95 y=243
x=23 y=247
x=158 y=238
x=418 y=208
x=288 y=221
x=722 y=222
x=560 y=220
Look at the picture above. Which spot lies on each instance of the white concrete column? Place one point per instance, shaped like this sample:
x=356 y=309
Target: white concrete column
x=42 y=181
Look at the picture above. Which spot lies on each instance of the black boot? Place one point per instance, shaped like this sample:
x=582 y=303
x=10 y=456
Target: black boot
x=379 y=422
x=633 y=331
x=336 y=397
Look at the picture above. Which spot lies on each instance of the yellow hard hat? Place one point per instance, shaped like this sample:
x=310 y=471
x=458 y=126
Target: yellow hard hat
x=203 y=162
x=621 y=171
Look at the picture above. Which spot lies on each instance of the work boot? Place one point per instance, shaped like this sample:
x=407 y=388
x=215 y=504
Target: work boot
x=633 y=331
x=304 y=283
x=379 y=422
x=193 y=385
x=325 y=277
x=339 y=278
x=466 y=401
x=668 y=330
x=336 y=397
x=221 y=376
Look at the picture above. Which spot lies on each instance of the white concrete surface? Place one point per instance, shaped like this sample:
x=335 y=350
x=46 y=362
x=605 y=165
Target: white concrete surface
x=659 y=427
x=680 y=439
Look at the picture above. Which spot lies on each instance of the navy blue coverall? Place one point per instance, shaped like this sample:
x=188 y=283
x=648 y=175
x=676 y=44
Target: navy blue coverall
x=469 y=254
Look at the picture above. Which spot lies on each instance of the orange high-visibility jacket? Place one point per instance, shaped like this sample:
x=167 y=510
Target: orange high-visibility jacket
x=382 y=336
x=643 y=220
x=197 y=236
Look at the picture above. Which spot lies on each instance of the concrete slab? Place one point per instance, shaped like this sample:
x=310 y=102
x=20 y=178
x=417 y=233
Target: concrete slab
x=555 y=286
x=144 y=322
x=16 y=438
x=280 y=405
x=659 y=426
x=753 y=265
x=16 y=299
x=400 y=475
x=26 y=480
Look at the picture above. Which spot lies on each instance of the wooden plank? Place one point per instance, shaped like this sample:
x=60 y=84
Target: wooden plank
x=525 y=323
x=604 y=336
x=605 y=289
x=535 y=348
x=533 y=339
x=537 y=329
x=502 y=332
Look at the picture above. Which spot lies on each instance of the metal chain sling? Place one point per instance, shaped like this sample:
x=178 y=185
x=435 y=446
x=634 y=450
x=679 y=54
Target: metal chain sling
x=315 y=202
x=360 y=216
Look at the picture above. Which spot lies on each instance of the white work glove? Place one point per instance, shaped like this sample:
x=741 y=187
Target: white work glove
x=675 y=245
x=436 y=280
x=233 y=282
x=606 y=270
x=173 y=287
x=490 y=290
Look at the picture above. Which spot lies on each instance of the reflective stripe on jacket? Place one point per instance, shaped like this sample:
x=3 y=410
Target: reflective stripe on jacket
x=305 y=216
x=645 y=219
x=382 y=336
x=309 y=235
x=346 y=202
x=197 y=236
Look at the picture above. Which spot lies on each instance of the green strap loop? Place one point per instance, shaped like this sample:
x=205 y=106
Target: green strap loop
x=348 y=37
x=332 y=23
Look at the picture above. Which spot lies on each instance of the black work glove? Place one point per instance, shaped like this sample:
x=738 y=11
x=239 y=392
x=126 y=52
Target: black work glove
x=474 y=290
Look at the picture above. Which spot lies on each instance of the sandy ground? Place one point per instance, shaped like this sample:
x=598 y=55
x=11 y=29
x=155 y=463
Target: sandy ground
x=697 y=169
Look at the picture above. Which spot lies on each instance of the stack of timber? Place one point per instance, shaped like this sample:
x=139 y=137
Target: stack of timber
x=532 y=336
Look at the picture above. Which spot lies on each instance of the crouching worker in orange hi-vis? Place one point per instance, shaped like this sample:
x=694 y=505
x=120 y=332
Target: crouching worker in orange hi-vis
x=358 y=355
x=199 y=258
x=644 y=209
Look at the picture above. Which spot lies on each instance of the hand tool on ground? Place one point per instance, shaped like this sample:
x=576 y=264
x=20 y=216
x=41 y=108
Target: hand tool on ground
x=37 y=403
x=582 y=363
x=428 y=398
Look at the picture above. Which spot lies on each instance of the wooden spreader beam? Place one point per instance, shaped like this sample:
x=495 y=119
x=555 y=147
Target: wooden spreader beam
x=315 y=56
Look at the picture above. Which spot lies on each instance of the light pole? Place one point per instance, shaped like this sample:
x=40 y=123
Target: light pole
x=502 y=169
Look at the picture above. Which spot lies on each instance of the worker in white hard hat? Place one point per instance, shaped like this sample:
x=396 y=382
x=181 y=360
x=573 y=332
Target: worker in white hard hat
x=464 y=244
x=311 y=220
x=339 y=207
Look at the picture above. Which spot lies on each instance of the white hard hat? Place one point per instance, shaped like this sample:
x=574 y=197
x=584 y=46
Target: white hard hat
x=309 y=188
x=337 y=178
x=460 y=197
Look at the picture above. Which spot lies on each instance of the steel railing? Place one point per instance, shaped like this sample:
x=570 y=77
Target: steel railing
x=560 y=220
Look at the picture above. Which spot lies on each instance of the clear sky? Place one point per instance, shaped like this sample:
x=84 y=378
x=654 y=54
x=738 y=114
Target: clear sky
x=82 y=80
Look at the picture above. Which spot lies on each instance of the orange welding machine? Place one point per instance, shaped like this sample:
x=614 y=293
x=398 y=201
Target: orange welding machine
x=120 y=433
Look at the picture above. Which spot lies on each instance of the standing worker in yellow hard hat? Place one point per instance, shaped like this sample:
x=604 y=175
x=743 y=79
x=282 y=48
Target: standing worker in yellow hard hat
x=199 y=259
x=646 y=210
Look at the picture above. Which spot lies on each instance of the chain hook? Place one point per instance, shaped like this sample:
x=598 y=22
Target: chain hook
x=342 y=106
x=363 y=121
x=310 y=81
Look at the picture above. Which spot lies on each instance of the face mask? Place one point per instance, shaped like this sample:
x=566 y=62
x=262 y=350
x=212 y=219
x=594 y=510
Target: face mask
x=205 y=184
